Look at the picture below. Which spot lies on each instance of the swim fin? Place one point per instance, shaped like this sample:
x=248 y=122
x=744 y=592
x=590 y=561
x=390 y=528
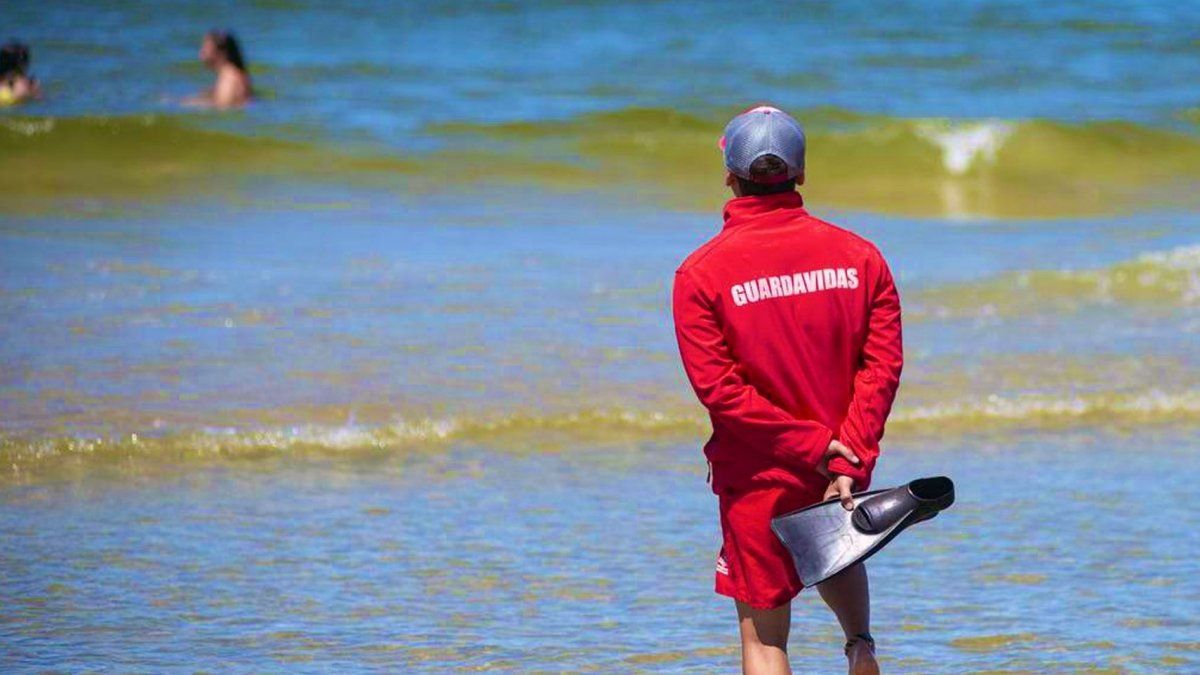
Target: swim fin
x=825 y=538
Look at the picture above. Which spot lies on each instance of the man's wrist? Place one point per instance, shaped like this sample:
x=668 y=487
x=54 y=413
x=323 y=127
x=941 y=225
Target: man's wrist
x=859 y=474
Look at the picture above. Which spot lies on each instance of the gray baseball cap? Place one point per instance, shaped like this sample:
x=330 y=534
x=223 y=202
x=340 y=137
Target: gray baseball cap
x=763 y=130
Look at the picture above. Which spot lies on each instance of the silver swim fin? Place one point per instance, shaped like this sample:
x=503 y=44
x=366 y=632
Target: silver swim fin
x=825 y=538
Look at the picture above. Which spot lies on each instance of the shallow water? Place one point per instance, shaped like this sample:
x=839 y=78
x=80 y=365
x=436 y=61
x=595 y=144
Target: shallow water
x=1063 y=552
x=424 y=435
x=425 y=318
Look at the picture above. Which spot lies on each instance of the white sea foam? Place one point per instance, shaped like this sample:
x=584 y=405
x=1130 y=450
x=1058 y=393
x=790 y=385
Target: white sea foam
x=1179 y=258
x=28 y=127
x=1028 y=407
x=964 y=144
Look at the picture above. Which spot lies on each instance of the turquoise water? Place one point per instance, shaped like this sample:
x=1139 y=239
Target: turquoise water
x=379 y=372
x=382 y=69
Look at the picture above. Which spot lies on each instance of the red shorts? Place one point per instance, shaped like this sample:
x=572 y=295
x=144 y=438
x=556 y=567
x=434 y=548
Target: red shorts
x=753 y=566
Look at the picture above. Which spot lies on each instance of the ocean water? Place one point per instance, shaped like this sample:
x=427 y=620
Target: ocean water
x=379 y=373
x=480 y=561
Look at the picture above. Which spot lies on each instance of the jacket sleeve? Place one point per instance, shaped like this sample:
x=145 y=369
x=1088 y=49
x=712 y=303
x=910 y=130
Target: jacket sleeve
x=732 y=401
x=875 y=382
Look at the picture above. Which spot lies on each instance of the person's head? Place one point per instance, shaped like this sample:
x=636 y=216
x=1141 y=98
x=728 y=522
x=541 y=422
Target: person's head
x=764 y=152
x=220 y=47
x=14 y=60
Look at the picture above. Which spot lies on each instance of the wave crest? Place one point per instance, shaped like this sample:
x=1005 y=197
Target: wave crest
x=1006 y=168
x=1163 y=278
x=31 y=459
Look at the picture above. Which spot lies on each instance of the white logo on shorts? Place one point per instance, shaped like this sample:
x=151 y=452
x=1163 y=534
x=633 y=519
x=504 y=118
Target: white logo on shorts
x=722 y=566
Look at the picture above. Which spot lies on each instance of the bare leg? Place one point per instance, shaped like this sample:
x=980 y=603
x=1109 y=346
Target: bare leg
x=764 y=639
x=849 y=596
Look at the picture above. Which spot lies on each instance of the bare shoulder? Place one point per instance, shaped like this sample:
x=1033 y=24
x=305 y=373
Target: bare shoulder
x=232 y=89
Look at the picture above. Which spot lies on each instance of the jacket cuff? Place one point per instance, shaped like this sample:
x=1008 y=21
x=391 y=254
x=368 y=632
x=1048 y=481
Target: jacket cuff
x=860 y=473
x=809 y=450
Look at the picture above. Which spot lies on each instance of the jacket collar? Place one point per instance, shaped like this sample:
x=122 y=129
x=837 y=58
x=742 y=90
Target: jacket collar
x=741 y=209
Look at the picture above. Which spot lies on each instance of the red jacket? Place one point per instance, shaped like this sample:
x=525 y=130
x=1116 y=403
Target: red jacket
x=789 y=328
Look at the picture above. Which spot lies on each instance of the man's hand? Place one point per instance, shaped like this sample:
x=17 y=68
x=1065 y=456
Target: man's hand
x=836 y=449
x=840 y=487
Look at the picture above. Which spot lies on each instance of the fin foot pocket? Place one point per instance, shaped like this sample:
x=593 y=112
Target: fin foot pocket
x=919 y=500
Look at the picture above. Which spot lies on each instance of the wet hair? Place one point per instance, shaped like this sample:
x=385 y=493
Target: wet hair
x=762 y=169
x=14 y=59
x=227 y=43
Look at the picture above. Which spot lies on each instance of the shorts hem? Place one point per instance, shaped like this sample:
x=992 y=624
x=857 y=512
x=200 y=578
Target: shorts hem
x=772 y=602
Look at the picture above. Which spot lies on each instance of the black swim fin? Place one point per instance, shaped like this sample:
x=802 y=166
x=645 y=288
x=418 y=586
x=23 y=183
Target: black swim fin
x=825 y=538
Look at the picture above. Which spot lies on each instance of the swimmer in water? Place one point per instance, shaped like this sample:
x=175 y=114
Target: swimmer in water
x=222 y=54
x=16 y=86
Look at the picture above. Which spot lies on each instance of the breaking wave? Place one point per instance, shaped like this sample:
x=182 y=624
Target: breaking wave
x=52 y=160
x=26 y=459
x=1006 y=168
x=1161 y=278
